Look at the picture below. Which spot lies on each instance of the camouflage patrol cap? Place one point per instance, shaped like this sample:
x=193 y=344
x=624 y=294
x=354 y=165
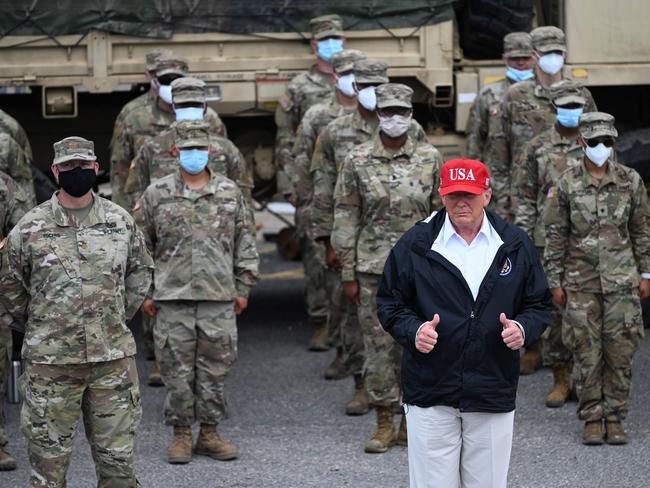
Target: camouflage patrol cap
x=344 y=60
x=326 y=26
x=74 y=148
x=548 y=38
x=597 y=124
x=565 y=92
x=153 y=57
x=171 y=63
x=191 y=133
x=518 y=45
x=188 y=89
x=370 y=71
x=394 y=95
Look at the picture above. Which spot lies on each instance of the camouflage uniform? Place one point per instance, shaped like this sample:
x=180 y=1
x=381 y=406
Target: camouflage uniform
x=484 y=115
x=13 y=205
x=379 y=195
x=10 y=126
x=205 y=256
x=526 y=111
x=597 y=246
x=144 y=122
x=544 y=159
x=303 y=91
x=72 y=286
x=16 y=163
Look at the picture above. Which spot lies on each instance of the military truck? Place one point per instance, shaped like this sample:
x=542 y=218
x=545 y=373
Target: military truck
x=68 y=67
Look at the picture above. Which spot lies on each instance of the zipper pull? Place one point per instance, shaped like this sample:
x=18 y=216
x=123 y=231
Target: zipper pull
x=471 y=315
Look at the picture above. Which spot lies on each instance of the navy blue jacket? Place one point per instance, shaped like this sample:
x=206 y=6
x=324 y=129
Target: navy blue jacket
x=470 y=368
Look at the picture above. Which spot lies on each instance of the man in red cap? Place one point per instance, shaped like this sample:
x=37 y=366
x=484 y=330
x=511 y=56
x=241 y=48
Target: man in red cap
x=462 y=291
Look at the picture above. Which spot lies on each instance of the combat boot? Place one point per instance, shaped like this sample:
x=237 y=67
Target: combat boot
x=358 y=405
x=531 y=361
x=336 y=370
x=320 y=339
x=385 y=435
x=592 y=435
x=7 y=461
x=180 y=449
x=210 y=444
x=614 y=433
x=402 y=435
x=154 y=378
x=560 y=392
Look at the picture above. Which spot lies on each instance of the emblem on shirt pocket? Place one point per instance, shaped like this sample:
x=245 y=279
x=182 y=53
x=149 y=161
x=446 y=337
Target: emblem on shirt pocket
x=506 y=268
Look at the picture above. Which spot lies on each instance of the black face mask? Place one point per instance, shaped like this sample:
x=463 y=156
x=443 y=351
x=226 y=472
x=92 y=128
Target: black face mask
x=77 y=182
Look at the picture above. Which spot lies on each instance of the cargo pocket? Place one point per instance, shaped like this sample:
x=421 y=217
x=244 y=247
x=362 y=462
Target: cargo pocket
x=33 y=413
x=634 y=330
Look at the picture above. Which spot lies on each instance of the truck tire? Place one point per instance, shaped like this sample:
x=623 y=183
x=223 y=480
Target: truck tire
x=484 y=23
x=633 y=150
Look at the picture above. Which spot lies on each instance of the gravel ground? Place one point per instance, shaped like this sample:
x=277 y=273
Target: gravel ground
x=289 y=425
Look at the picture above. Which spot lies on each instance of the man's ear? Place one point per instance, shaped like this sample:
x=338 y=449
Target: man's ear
x=55 y=171
x=314 y=45
x=96 y=167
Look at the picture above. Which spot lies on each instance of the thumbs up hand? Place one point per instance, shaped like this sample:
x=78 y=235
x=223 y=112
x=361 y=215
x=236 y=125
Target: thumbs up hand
x=512 y=335
x=427 y=337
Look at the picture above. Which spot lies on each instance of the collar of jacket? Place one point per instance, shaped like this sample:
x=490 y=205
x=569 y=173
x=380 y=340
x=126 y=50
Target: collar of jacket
x=96 y=215
x=379 y=151
x=183 y=191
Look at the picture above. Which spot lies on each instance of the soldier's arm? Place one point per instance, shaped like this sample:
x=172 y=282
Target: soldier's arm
x=590 y=105
x=436 y=201
x=347 y=219
x=476 y=130
x=498 y=161
x=286 y=123
x=21 y=171
x=139 y=272
x=122 y=154
x=639 y=225
x=526 y=179
x=138 y=177
x=324 y=176
x=246 y=259
x=14 y=279
x=303 y=150
x=216 y=124
x=557 y=225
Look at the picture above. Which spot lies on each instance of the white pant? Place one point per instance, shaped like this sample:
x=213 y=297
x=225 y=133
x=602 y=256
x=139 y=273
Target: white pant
x=448 y=448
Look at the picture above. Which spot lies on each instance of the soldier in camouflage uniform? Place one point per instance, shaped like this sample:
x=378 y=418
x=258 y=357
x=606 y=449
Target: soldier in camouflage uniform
x=75 y=269
x=16 y=163
x=597 y=260
x=525 y=112
x=148 y=120
x=484 y=116
x=385 y=186
x=305 y=90
x=10 y=126
x=332 y=147
x=298 y=168
x=197 y=226
x=13 y=205
x=545 y=158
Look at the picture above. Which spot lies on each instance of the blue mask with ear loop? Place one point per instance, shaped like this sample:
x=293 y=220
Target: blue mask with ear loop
x=189 y=113
x=569 y=117
x=193 y=160
x=328 y=48
x=519 y=74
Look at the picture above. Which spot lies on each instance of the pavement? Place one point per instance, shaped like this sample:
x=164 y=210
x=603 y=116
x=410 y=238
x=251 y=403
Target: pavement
x=289 y=425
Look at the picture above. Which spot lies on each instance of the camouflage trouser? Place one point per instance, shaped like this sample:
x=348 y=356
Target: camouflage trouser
x=5 y=355
x=313 y=261
x=603 y=331
x=344 y=324
x=196 y=346
x=382 y=353
x=108 y=396
x=148 y=323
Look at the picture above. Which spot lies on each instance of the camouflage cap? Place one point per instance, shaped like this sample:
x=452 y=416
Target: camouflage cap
x=326 y=26
x=344 y=61
x=566 y=91
x=74 y=148
x=370 y=71
x=518 y=45
x=597 y=124
x=548 y=38
x=394 y=95
x=153 y=57
x=171 y=63
x=188 y=89
x=191 y=133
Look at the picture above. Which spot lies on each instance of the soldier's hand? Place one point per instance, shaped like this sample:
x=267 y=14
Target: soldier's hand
x=149 y=307
x=644 y=289
x=241 y=303
x=331 y=259
x=559 y=296
x=351 y=290
x=427 y=337
x=512 y=335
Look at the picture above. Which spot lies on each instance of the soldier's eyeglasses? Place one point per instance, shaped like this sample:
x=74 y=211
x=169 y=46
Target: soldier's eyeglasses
x=607 y=141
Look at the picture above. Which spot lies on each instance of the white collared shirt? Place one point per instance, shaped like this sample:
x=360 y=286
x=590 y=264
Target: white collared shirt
x=472 y=260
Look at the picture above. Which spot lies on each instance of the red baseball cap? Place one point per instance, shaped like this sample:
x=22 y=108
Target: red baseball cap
x=466 y=175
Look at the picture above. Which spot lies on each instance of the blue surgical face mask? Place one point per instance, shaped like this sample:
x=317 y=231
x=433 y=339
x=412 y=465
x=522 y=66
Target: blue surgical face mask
x=193 y=160
x=189 y=113
x=165 y=92
x=569 y=117
x=346 y=85
x=519 y=74
x=551 y=64
x=328 y=48
x=367 y=98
